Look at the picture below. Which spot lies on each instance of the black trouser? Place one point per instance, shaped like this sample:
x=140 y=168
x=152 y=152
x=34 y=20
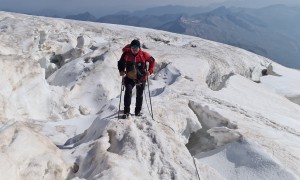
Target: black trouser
x=129 y=85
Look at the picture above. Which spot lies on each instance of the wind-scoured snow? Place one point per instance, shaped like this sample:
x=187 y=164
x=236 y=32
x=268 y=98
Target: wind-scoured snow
x=219 y=111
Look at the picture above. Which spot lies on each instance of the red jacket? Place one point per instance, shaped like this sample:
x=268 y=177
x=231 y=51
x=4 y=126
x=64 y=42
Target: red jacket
x=139 y=61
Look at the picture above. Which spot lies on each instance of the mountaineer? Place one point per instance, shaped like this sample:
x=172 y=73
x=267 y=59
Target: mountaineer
x=133 y=68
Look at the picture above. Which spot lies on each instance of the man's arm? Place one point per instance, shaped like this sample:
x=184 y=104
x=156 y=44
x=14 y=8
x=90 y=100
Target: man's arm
x=122 y=64
x=151 y=65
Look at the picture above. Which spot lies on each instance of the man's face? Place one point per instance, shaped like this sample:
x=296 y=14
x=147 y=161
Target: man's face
x=134 y=49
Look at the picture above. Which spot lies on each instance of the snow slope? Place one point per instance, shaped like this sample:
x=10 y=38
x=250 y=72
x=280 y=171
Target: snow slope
x=213 y=109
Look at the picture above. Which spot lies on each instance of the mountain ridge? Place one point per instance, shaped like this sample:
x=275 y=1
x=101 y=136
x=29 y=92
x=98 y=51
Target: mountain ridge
x=267 y=28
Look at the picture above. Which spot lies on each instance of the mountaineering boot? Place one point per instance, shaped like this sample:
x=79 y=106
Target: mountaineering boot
x=138 y=114
x=125 y=116
x=126 y=112
x=137 y=111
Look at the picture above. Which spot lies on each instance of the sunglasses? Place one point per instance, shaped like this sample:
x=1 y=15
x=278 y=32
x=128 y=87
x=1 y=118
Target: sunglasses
x=134 y=47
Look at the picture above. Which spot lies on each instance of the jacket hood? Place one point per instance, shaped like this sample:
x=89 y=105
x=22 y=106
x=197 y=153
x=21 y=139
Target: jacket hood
x=126 y=48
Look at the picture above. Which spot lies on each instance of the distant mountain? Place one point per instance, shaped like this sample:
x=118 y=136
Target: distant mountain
x=272 y=31
x=172 y=9
x=280 y=18
x=152 y=17
x=50 y=13
x=149 y=21
x=82 y=17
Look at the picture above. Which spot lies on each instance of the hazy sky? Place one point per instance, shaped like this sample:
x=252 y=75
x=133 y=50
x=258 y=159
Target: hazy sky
x=98 y=7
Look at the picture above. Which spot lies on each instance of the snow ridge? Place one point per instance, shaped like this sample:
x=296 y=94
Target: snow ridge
x=221 y=109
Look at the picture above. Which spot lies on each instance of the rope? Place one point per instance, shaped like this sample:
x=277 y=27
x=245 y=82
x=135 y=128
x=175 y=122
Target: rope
x=163 y=123
x=147 y=104
x=152 y=114
x=172 y=130
x=196 y=167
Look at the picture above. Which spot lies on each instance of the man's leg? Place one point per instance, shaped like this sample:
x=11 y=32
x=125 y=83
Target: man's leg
x=129 y=84
x=139 y=98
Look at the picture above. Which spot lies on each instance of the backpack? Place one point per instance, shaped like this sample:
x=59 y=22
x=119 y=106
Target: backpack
x=136 y=70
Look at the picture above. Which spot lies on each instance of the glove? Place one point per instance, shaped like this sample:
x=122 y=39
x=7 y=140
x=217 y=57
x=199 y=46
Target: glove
x=147 y=73
x=122 y=73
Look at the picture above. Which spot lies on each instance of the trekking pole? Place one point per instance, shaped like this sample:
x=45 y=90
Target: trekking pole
x=149 y=92
x=150 y=98
x=122 y=89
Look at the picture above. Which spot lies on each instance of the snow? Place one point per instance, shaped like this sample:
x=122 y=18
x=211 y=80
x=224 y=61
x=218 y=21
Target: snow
x=213 y=110
x=286 y=83
x=28 y=154
x=244 y=160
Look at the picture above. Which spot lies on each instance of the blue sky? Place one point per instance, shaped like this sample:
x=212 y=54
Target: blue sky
x=100 y=7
